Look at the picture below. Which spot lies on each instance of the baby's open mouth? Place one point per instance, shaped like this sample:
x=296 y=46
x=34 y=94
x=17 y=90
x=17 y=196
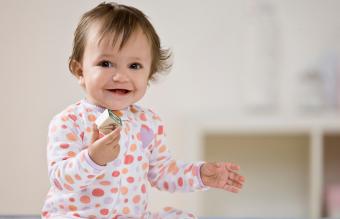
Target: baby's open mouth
x=119 y=91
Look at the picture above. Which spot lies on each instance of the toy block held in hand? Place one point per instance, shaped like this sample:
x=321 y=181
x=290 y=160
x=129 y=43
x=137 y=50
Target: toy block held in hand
x=108 y=121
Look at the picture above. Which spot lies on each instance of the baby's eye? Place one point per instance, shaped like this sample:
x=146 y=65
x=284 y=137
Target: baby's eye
x=105 y=64
x=135 y=66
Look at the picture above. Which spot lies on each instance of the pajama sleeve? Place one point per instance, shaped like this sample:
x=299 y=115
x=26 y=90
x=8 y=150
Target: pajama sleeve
x=166 y=173
x=69 y=166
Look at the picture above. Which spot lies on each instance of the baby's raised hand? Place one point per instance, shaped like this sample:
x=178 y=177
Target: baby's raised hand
x=222 y=175
x=104 y=149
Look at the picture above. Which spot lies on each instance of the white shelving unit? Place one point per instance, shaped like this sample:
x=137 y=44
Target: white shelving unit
x=283 y=159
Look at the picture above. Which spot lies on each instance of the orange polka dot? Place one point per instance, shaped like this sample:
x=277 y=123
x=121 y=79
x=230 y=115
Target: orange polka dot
x=71 y=154
x=133 y=109
x=125 y=171
x=72 y=208
x=91 y=117
x=88 y=129
x=69 y=179
x=162 y=149
x=85 y=199
x=133 y=147
x=126 y=210
x=173 y=168
x=71 y=137
x=117 y=113
x=167 y=209
x=145 y=166
x=100 y=176
x=105 y=183
x=136 y=199
x=124 y=190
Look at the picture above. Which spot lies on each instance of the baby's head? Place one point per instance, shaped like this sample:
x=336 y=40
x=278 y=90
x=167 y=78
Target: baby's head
x=119 y=21
x=116 y=52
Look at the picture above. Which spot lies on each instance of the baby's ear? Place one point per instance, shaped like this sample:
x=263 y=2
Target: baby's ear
x=77 y=70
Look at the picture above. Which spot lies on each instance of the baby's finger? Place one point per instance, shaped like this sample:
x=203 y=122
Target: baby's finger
x=113 y=141
x=109 y=138
x=231 y=166
x=112 y=136
x=236 y=184
x=231 y=189
x=236 y=177
x=95 y=133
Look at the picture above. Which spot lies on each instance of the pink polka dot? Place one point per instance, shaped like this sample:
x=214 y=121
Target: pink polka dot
x=64 y=146
x=98 y=192
x=143 y=117
x=143 y=189
x=104 y=211
x=68 y=187
x=166 y=186
x=128 y=159
x=130 y=179
x=57 y=184
x=73 y=117
x=115 y=173
x=180 y=181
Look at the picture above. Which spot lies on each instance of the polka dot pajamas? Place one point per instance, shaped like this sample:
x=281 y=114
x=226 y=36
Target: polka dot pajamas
x=82 y=189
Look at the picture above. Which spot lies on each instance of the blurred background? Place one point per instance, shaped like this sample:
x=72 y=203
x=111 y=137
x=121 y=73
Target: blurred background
x=255 y=82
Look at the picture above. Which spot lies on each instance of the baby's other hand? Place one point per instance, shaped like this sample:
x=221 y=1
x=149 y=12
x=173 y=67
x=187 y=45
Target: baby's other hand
x=104 y=148
x=222 y=175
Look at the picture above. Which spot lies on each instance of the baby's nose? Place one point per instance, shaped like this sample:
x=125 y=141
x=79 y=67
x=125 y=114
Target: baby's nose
x=119 y=77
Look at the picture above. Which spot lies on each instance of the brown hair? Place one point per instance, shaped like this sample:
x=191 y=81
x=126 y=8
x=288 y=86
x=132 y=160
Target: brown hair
x=120 y=20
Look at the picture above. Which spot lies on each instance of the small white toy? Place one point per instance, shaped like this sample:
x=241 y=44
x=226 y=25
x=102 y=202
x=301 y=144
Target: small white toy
x=108 y=121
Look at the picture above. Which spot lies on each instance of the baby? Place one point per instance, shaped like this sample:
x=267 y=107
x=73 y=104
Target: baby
x=97 y=174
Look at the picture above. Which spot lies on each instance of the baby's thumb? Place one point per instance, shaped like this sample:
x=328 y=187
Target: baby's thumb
x=95 y=133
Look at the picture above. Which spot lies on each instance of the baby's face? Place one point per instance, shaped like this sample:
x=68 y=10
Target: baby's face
x=115 y=78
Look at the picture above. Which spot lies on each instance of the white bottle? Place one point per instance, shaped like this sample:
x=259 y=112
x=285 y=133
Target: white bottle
x=260 y=57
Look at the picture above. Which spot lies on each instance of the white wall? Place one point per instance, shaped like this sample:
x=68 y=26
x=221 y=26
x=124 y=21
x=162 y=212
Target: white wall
x=206 y=38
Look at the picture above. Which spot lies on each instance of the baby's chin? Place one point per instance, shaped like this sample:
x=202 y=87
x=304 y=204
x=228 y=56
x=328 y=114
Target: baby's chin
x=108 y=105
x=115 y=107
